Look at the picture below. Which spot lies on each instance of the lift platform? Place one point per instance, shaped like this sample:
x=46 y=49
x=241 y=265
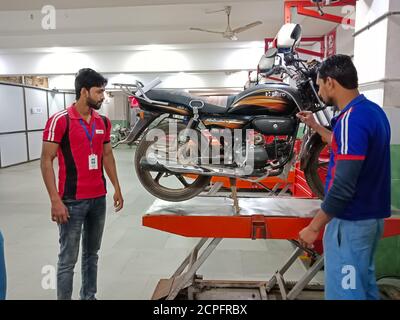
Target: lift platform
x=213 y=219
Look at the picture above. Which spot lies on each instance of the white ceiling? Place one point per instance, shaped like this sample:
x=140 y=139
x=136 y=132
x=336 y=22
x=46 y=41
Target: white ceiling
x=78 y=4
x=131 y=24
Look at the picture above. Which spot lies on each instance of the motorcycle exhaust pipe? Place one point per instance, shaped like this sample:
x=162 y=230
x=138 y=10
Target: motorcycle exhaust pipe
x=204 y=170
x=190 y=169
x=158 y=167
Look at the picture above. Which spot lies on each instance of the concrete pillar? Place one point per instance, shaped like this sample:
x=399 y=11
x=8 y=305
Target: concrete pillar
x=376 y=55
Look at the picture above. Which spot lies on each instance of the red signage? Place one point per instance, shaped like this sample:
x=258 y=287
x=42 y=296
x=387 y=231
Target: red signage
x=331 y=43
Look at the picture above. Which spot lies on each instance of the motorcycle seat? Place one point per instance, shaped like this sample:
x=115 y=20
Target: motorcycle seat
x=183 y=98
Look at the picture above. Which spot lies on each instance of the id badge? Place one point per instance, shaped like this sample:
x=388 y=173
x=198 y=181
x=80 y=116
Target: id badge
x=93 y=165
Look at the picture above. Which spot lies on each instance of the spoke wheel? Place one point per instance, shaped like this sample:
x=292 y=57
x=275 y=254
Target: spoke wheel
x=168 y=186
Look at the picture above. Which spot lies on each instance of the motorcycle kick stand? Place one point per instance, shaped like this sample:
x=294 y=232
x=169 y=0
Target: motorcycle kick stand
x=233 y=183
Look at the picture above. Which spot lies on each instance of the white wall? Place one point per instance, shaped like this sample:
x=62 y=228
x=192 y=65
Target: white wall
x=69 y=99
x=370 y=53
x=36 y=108
x=376 y=56
x=344 y=40
x=11 y=109
x=20 y=138
x=13 y=149
x=115 y=107
x=56 y=102
x=369 y=10
x=377 y=50
x=35 y=144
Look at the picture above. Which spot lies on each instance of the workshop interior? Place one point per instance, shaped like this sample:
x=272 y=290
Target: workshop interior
x=219 y=176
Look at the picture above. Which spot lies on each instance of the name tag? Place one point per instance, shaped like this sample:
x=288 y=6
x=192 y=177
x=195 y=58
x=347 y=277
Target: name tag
x=93 y=163
x=99 y=131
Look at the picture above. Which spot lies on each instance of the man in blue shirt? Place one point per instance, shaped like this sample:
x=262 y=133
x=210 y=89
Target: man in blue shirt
x=357 y=192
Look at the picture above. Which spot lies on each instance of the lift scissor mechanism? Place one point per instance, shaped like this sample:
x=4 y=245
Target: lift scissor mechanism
x=213 y=218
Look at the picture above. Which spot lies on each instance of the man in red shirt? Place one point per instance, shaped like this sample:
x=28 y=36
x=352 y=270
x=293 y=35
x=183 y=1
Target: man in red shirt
x=80 y=138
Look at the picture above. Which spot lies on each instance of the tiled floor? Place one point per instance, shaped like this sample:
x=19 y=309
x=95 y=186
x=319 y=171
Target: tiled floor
x=133 y=258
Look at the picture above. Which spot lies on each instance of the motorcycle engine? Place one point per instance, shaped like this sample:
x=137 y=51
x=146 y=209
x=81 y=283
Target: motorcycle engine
x=260 y=151
x=268 y=148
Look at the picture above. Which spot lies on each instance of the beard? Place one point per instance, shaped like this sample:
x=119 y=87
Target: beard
x=328 y=101
x=96 y=105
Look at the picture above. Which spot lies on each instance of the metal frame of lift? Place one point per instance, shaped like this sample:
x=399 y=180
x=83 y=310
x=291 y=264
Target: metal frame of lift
x=185 y=277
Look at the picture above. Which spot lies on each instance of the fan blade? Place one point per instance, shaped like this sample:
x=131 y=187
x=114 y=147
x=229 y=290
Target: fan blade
x=247 y=26
x=227 y=9
x=204 y=30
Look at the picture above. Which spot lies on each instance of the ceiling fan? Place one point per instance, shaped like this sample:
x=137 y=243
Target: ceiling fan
x=229 y=33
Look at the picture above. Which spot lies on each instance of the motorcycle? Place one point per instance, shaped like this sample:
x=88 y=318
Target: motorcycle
x=118 y=135
x=253 y=135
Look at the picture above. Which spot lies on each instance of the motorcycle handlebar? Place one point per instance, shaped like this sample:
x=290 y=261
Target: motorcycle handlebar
x=277 y=69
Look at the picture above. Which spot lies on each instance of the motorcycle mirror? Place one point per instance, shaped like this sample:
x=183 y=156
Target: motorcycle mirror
x=271 y=53
x=280 y=60
x=267 y=61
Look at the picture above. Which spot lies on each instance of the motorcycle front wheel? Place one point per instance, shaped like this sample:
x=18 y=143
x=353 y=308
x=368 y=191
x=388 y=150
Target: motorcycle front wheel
x=317 y=168
x=167 y=186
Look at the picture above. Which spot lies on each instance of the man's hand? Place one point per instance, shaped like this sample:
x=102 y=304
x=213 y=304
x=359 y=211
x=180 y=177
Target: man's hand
x=309 y=234
x=118 y=201
x=59 y=212
x=307 y=117
x=111 y=169
x=307 y=237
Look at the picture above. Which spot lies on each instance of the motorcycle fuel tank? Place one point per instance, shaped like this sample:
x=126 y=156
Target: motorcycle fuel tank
x=266 y=99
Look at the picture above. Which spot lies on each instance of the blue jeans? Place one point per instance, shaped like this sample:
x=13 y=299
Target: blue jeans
x=87 y=217
x=3 y=277
x=349 y=249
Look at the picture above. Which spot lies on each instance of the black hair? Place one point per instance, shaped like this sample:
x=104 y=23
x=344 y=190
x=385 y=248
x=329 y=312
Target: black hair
x=341 y=68
x=88 y=78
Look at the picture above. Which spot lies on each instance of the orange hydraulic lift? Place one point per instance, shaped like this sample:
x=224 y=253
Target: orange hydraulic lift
x=259 y=225
x=213 y=219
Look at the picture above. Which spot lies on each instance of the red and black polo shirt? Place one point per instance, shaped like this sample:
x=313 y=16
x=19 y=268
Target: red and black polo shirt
x=75 y=180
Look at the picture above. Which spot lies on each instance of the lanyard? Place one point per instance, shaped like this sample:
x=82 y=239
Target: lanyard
x=90 y=137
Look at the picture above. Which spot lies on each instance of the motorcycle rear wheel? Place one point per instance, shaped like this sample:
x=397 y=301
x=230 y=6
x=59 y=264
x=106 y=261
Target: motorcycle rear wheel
x=191 y=187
